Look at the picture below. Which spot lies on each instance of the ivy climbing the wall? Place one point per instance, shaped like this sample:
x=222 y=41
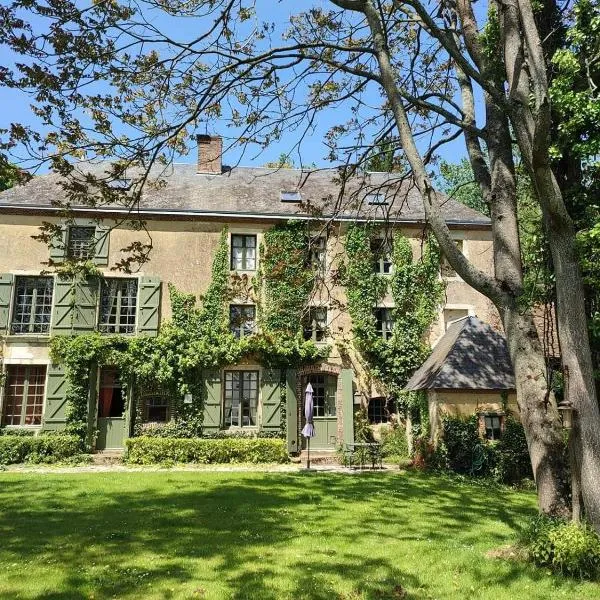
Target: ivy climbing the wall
x=417 y=293
x=198 y=336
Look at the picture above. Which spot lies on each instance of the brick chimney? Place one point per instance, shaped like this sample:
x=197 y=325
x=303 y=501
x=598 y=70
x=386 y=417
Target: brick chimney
x=210 y=151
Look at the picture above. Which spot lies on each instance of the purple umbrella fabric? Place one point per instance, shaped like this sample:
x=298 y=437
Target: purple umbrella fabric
x=308 y=430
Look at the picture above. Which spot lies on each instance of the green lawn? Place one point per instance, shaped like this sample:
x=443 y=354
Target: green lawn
x=268 y=536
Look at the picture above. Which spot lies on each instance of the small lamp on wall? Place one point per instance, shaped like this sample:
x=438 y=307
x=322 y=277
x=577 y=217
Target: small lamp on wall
x=566 y=410
x=357 y=398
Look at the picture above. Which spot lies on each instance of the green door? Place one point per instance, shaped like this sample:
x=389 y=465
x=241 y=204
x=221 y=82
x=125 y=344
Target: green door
x=112 y=422
x=325 y=419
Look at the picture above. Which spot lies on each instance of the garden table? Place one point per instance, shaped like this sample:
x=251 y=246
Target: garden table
x=362 y=449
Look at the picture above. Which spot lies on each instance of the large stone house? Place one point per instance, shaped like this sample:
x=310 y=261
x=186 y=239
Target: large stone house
x=185 y=219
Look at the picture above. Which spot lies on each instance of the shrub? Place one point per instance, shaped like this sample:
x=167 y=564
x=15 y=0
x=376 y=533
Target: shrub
x=511 y=462
x=17 y=432
x=183 y=430
x=39 y=449
x=393 y=442
x=149 y=450
x=463 y=445
x=425 y=454
x=566 y=547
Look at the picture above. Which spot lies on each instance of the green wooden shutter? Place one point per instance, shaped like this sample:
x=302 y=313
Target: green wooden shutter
x=291 y=405
x=212 y=400
x=63 y=315
x=149 y=305
x=6 y=292
x=102 y=240
x=58 y=245
x=86 y=305
x=271 y=399
x=55 y=413
x=347 y=405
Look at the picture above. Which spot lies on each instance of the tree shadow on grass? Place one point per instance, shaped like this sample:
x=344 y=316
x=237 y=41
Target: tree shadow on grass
x=258 y=536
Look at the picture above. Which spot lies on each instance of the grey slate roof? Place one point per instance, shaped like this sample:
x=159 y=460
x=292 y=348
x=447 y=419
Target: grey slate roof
x=256 y=191
x=470 y=356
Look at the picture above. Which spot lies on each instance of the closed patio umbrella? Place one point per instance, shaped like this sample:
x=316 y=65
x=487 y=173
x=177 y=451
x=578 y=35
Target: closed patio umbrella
x=308 y=431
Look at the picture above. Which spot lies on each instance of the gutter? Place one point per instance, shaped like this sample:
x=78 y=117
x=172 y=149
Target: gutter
x=225 y=215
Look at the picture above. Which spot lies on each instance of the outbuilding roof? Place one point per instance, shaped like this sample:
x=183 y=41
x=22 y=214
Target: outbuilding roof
x=262 y=192
x=470 y=356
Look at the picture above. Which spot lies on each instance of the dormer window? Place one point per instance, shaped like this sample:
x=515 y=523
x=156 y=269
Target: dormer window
x=376 y=198
x=290 y=196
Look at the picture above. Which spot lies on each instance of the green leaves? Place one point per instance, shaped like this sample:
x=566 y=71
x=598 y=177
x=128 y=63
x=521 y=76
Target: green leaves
x=416 y=291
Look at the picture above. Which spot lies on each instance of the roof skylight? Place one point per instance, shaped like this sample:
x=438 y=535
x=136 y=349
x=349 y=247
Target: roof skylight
x=376 y=198
x=290 y=196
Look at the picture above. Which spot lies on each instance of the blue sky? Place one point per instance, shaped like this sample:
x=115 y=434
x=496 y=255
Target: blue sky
x=14 y=105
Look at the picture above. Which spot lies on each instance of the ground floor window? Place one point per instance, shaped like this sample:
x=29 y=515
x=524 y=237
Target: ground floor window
x=156 y=408
x=111 y=399
x=24 y=395
x=492 y=426
x=380 y=410
x=241 y=398
x=324 y=387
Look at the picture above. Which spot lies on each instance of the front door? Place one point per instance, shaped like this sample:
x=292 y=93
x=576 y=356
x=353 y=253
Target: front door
x=112 y=426
x=325 y=419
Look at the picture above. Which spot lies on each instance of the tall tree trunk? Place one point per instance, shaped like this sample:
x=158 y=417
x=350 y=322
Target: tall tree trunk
x=537 y=406
x=573 y=337
x=538 y=411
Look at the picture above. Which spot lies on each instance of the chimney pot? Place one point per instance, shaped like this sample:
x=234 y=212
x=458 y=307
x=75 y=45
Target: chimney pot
x=210 y=151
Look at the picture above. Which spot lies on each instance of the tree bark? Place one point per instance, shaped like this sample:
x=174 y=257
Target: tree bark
x=537 y=407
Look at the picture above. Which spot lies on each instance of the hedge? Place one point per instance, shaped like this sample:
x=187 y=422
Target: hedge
x=39 y=449
x=154 y=450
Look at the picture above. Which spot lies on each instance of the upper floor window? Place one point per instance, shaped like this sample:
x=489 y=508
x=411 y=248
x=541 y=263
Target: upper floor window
x=382 y=254
x=384 y=322
x=118 y=305
x=315 y=324
x=81 y=242
x=24 y=395
x=446 y=268
x=242 y=319
x=32 y=305
x=241 y=398
x=317 y=253
x=243 y=252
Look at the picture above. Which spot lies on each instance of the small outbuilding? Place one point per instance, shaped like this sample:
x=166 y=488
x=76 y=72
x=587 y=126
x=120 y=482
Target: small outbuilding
x=469 y=372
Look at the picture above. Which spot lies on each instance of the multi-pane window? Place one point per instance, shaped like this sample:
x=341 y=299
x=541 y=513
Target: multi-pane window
x=317 y=253
x=382 y=256
x=493 y=426
x=81 y=242
x=323 y=395
x=315 y=324
x=157 y=408
x=446 y=268
x=24 y=395
x=118 y=304
x=242 y=319
x=111 y=399
x=384 y=322
x=32 y=305
x=243 y=252
x=241 y=398
x=380 y=410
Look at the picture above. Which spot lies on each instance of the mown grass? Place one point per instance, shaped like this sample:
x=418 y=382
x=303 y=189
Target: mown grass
x=264 y=536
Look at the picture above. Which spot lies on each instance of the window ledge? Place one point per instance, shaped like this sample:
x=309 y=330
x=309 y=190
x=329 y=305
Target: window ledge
x=35 y=337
